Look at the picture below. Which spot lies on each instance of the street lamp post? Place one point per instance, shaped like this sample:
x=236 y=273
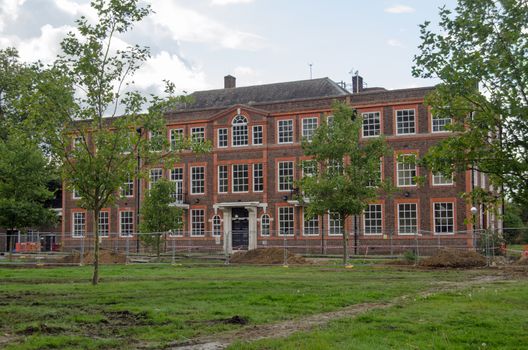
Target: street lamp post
x=474 y=213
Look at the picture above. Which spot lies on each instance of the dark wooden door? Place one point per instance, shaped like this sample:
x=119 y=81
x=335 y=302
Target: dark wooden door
x=240 y=228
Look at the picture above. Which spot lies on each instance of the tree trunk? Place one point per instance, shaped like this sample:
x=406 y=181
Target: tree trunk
x=95 y=277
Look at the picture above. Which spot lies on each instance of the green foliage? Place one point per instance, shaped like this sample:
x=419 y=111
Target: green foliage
x=482 y=44
x=515 y=230
x=346 y=172
x=24 y=176
x=98 y=150
x=410 y=256
x=158 y=215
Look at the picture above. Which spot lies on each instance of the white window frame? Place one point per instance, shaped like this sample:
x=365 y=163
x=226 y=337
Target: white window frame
x=239 y=131
x=375 y=227
x=452 y=218
x=265 y=225
x=369 y=119
x=280 y=182
x=402 y=168
x=103 y=226
x=308 y=127
x=257 y=134
x=176 y=176
x=439 y=180
x=223 y=181
x=414 y=121
x=198 y=133
x=197 y=231
x=175 y=136
x=194 y=181
x=78 y=227
x=416 y=218
x=237 y=181
x=285 y=133
x=75 y=194
x=216 y=224
x=155 y=174
x=290 y=220
x=258 y=177
x=444 y=122
x=121 y=223
x=127 y=190
x=222 y=138
x=333 y=229
x=311 y=231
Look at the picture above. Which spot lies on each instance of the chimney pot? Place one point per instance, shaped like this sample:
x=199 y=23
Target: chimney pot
x=229 y=82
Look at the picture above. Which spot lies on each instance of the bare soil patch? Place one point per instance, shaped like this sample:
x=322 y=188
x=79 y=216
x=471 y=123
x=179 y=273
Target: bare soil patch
x=105 y=257
x=454 y=259
x=523 y=261
x=267 y=256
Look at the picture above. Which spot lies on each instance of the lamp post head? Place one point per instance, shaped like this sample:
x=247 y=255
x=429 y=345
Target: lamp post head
x=474 y=210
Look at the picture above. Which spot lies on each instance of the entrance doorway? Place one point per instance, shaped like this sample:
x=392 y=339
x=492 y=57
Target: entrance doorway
x=239 y=228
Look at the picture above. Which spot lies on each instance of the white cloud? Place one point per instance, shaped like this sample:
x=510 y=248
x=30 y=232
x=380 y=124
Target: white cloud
x=44 y=47
x=394 y=43
x=400 y=9
x=9 y=11
x=188 y=25
x=229 y=2
x=75 y=9
x=169 y=67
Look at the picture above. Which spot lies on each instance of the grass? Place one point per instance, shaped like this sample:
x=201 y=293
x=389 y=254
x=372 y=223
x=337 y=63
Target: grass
x=157 y=304
x=491 y=317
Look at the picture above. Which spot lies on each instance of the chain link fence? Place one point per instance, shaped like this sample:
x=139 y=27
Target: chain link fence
x=210 y=247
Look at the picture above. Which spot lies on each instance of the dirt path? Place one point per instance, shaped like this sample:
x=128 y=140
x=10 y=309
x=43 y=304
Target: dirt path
x=286 y=328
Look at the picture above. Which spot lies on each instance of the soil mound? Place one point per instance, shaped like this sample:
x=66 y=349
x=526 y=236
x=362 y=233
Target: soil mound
x=523 y=261
x=105 y=257
x=267 y=256
x=454 y=258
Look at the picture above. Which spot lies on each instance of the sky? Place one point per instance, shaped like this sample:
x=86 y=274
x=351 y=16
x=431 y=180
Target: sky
x=195 y=43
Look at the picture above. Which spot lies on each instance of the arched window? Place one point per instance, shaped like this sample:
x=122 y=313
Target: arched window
x=217 y=226
x=240 y=131
x=265 y=225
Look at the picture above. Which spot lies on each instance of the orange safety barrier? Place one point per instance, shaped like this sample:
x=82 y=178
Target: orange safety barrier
x=27 y=247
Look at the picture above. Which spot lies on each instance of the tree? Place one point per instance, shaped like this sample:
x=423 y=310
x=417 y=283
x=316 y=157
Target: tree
x=24 y=175
x=480 y=58
x=98 y=149
x=344 y=173
x=158 y=215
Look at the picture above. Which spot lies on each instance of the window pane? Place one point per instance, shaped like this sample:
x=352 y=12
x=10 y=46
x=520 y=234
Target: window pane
x=443 y=218
x=240 y=131
x=309 y=125
x=240 y=178
x=335 y=224
x=285 y=131
x=286 y=221
x=373 y=219
x=405 y=122
x=285 y=176
x=258 y=135
x=406 y=170
x=223 y=186
x=407 y=219
x=265 y=225
x=197 y=222
x=310 y=225
x=222 y=137
x=258 y=178
x=197 y=180
x=126 y=223
x=104 y=224
x=371 y=124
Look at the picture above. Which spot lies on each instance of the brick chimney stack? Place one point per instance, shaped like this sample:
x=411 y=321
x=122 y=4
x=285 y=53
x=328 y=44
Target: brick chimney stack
x=357 y=84
x=229 y=82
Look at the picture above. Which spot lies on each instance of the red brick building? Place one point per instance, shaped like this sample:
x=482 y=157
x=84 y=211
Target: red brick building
x=241 y=191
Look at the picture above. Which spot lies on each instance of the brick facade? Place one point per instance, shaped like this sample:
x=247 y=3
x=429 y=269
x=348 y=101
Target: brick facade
x=270 y=154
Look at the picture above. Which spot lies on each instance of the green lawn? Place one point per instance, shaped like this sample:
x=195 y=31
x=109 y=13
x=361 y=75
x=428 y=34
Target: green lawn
x=154 y=305
x=491 y=317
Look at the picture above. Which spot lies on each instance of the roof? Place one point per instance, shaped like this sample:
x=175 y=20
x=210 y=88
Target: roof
x=293 y=90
